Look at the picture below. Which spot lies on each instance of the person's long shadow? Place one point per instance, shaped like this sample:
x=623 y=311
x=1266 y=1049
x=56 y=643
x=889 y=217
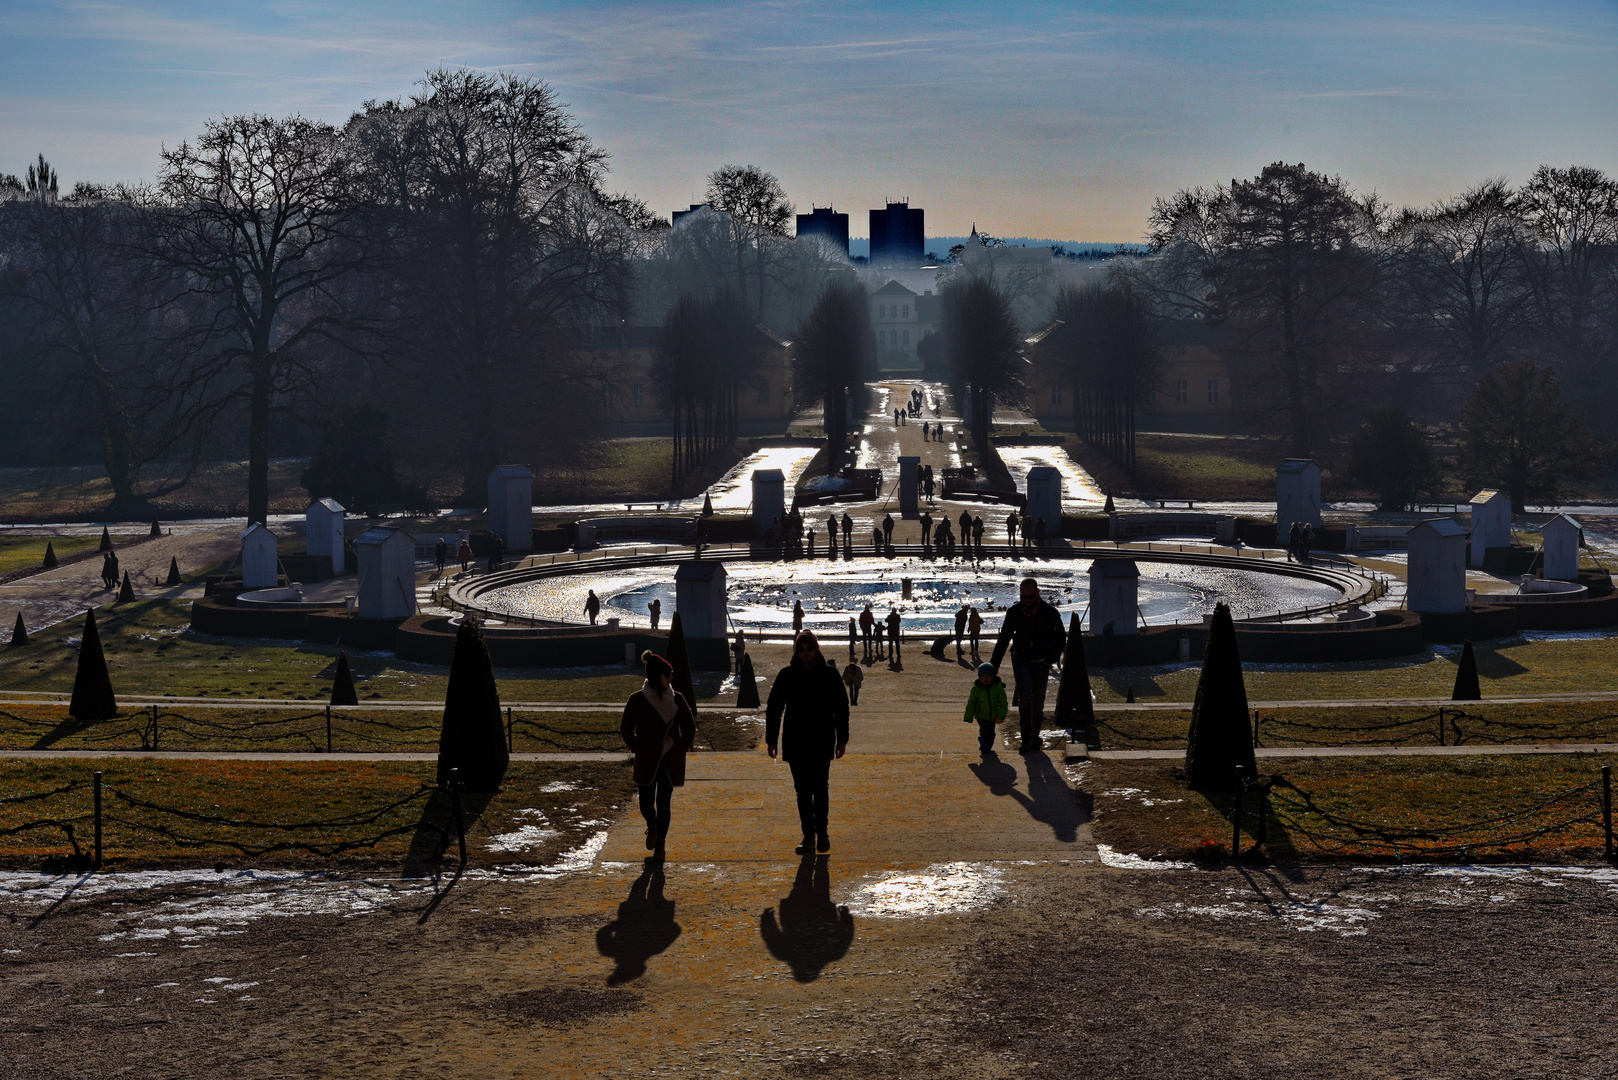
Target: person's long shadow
x=808 y=931
x=1049 y=799
x=644 y=927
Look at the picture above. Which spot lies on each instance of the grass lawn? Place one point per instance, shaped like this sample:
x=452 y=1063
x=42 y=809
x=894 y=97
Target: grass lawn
x=72 y=493
x=151 y=650
x=1144 y=807
x=1507 y=667
x=378 y=813
x=634 y=470
x=353 y=729
x=1182 y=466
x=21 y=552
x=1465 y=723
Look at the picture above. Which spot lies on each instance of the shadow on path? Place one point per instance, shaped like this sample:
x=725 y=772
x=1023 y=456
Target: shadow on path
x=1048 y=799
x=807 y=931
x=644 y=927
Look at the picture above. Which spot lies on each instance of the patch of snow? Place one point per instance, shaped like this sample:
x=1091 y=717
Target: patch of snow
x=1122 y=860
x=941 y=889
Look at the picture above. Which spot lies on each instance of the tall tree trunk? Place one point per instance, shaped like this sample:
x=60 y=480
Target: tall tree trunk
x=258 y=445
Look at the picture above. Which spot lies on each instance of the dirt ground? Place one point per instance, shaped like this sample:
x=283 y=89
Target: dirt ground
x=1070 y=970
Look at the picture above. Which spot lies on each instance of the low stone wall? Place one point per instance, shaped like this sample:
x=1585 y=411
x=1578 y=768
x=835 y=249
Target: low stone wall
x=430 y=639
x=221 y=615
x=1592 y=613
x=1390 y=634
x=1478 y=623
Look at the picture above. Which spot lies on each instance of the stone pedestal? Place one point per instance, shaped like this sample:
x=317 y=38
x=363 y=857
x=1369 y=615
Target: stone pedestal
x=387 y=586
x=511 y=506
x=1114 y=596
x=909 y=472
x=1491 y=523
x=1563 y=536
x=1437 y=577
x=1297 y=495
x=1045 y=498
x=699 y=597
x=769 y=500
x=261 y=568
x=323 y=531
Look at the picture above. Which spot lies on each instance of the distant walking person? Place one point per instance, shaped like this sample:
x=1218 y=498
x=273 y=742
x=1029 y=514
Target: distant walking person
x=1033 y=631
x=464 y=555
x=1039 y=531
x=887 y=530
x=960 y=626
x=811 y=543
x=497 y=551
x=853 y=677
x=1292 y=541
x=893 y=631
x=974 y=627
x=797 y=616
x=806 y=723
x=867 y=624
x=926 y=532
x=848 y=531
x=658 y=727
x=739 y=647
x=655 y=609
x=592 y=606
x=1011 y=530
x=926 y=431
x=977 y=533
x=441 y=554
x=109 y=571
x=1306 y=541
x=853 y=637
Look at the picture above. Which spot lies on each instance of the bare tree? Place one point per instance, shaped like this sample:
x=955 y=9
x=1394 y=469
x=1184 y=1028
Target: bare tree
x=1289 y=262
x=259 y=217
x=758 y=213
x=983 y=351
x=1461 y=277
x=707 y=352
x=1105 y=341
x=833 y=358
x=506 y=249
x=92 y=301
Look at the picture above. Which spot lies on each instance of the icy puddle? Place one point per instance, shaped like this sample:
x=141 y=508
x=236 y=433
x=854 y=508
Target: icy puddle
x=941 y=889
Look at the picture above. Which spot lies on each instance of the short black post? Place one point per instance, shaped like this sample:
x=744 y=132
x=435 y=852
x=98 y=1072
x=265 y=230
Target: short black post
x=1441 y=725
x=1256 y=743
x=97 y=824
x=1236 y=819
x=1606 y=805
x=154 y=725
x=455 y=801
x=1262 y=833
x=328 y=729
x=508 y=729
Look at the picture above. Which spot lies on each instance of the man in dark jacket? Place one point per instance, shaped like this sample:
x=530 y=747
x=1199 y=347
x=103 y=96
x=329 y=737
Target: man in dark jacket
x=1034 y=633
x=810 y=697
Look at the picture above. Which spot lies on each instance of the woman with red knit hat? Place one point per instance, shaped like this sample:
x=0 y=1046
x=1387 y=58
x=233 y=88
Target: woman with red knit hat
x=658 y=727
x=808 y=696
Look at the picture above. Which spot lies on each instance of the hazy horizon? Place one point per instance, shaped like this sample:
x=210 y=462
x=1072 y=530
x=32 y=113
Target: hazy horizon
x=1041 y=121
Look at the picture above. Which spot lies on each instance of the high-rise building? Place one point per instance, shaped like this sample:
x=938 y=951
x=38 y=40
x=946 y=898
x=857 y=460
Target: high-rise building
x=898 y=235
x=825 y=222
x=674 y=218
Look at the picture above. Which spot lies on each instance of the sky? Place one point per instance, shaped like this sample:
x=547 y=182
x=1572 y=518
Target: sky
x=1061 y=120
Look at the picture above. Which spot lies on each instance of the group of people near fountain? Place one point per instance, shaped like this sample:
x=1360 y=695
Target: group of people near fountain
x=807 y=715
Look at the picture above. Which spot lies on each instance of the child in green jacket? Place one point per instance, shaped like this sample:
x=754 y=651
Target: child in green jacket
x=986 y=704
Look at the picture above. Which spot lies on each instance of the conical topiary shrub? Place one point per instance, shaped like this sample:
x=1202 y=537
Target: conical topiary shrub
x=126 y=591
x=746 y=684
x=1219 y=739
x=1108 y=508
x=680 y=660
x=106 y=540
x=157 y=529
x=1466 y=676
x=174 y=571
x=92 y=686
x=1074 y=709
x=473 y=738
x=50 y=555
x=707 y=505
x=342 y=683
x=19 y=633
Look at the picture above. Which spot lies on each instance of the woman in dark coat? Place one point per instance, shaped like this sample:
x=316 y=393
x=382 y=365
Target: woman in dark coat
x=658 y=727
x=809 y=699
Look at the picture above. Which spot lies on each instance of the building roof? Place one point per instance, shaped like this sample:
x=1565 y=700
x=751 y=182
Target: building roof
x=1488 y=495
x=1442 y=526
x=381 y=534
x=1568 y=518
x=511 y=472
x=251 y=529
x=1043 y=472
x=1114 y=568
x=1296 y=464
x=894 y=288
x=770 y=475
x=329 y=504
